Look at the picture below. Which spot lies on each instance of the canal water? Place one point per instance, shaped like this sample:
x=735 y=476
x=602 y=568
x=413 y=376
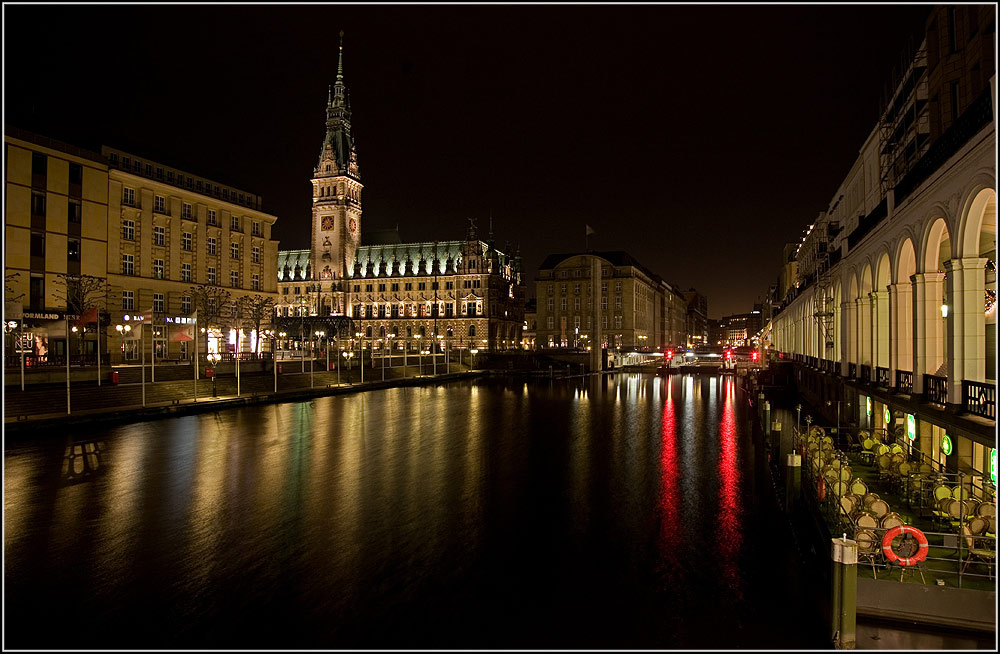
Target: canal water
x=615 y=512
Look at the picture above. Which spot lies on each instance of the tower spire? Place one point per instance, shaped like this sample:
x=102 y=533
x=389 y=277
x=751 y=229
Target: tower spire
x=340 y=60
x=329 y=95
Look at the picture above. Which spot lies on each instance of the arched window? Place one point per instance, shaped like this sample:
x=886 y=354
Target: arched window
x=472 y=331
x=450 y=332
x=368 y=331
x=381 y=331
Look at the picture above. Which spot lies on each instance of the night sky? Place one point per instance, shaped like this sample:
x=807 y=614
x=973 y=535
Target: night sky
x=699 y=139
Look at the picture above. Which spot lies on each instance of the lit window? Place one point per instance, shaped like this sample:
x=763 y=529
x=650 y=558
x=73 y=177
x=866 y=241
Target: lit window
x=158 y=268
x=128 y=230
x=186 y=241
x=128 y=264
x=211 y=275
x=128 y=196
x=159 y=235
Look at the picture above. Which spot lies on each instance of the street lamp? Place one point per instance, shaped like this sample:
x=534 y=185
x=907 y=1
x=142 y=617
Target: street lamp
x=123 y=331
x=437 y=344
x=361 y=354
x=320 y=334
x=472 y=360
x=420 y=352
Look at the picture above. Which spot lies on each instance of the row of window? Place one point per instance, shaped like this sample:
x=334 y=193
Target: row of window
x=182 y=180
x=563 y=274
x=550 y=289
x=563 y=303
x=159 y=239
x=421 y=310
x=421 y=286
x=159 y=272
x=550 y=322
x=187 y=212
x=159 y=306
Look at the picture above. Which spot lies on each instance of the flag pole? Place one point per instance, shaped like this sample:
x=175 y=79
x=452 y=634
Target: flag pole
x=67 y=362
x=152 y=352
x=142 y=346
x=196 y=357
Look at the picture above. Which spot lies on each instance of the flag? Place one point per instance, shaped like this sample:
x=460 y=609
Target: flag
x=147 y=317
x=88 y=317
x=590 y=230
x=183 y=333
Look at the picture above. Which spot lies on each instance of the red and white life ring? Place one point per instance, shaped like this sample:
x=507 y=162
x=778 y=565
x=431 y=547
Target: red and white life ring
x=896 y=532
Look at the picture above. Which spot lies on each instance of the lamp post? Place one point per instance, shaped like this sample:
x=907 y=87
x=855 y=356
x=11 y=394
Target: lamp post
x=472 y=358
x=348 y=356
x=420 y=353
x=437 y=346
x=361 y=354
x=319 y=337
x=274 y=358
x=798 y=418
x=11 y=325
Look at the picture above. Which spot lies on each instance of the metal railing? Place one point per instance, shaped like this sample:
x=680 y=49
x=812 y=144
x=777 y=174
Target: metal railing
x=936 y=389
x=951 y=554
x=866 y=374
x=852 y=371
x=882 y=377
x=980 y=399
x=904 y=381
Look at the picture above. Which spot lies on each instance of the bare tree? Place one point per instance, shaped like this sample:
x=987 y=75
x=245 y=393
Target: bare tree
x=214 y=306
x=82 y=293
x=253 y=311
x=8 y=291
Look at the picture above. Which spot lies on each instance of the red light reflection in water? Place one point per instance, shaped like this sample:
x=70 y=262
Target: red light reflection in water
x=670 y=525
x=728 y=531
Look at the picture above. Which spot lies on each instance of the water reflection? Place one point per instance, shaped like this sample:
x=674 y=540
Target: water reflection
x=493 y=514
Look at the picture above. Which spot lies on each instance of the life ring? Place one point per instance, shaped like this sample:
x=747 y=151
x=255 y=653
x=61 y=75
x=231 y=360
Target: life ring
x=894 y=533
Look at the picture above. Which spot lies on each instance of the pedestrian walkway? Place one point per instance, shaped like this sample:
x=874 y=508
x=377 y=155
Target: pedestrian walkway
x=124 y=401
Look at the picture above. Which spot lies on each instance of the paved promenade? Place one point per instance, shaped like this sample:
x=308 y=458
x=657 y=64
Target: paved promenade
x=174 y=391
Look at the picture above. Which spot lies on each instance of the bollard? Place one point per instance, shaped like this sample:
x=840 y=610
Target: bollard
x=793 y=479
x=845 y=593
x=767 y=415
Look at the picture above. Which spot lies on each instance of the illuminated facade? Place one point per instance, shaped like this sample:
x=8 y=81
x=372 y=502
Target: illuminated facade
x=168 y=231
x=465 y=291
x=634 y=308
x=895 y=295
x=55 y=223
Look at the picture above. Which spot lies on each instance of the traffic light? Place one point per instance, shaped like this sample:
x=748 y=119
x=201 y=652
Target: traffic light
x=729 y=354
x=670 y=354
x=754 y=356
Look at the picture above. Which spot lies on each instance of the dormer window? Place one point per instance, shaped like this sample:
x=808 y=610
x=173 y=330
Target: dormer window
x=327 y=167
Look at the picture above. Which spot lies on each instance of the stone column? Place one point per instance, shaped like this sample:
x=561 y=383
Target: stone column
x=966 y=283
x=880 y=315
x=864 y=332
x=847 y=336
x=900 y=329
x=927 y=326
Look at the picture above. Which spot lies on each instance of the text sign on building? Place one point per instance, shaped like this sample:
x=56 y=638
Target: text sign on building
x=993 y=465
x=888 y=417
x=946 y=445
x=911 y=426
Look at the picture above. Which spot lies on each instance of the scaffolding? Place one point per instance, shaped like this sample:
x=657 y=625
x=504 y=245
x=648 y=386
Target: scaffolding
x=823 y=299
x=904 y=127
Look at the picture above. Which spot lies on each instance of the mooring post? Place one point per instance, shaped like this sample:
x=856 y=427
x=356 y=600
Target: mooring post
x=793 y=480
x=845 y=593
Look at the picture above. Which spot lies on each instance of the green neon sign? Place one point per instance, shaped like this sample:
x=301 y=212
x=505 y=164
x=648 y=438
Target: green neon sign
x=946 y=445
x=868 y=406
x=888 y=416
x=993 y=465
x=911 y=426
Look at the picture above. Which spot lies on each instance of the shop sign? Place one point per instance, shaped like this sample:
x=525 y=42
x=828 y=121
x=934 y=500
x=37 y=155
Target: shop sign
x=946 y=445
x=911 y=426
x=993 y=465
x=30 y=315
x=888 y=417
x=868 y=406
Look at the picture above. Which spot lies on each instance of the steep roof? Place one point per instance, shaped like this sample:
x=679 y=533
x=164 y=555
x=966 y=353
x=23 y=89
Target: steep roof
x=616 y=258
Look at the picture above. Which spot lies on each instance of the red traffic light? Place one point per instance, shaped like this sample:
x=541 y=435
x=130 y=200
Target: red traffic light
x=670 y=354
x=729 y=354
x=754 y=355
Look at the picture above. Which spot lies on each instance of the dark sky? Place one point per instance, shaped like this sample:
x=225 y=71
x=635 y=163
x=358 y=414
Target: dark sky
x=697 y=138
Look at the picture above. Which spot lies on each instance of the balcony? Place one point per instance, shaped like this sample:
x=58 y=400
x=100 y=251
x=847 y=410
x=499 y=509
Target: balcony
x=979 y=399
x=852 y=371
x=866 y=374
x=936 y=389
x=882 y=377
x=904 y=381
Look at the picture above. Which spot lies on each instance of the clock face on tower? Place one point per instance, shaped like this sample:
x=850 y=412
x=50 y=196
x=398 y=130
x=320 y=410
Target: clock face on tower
x=353 y=225
x=327 y=222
